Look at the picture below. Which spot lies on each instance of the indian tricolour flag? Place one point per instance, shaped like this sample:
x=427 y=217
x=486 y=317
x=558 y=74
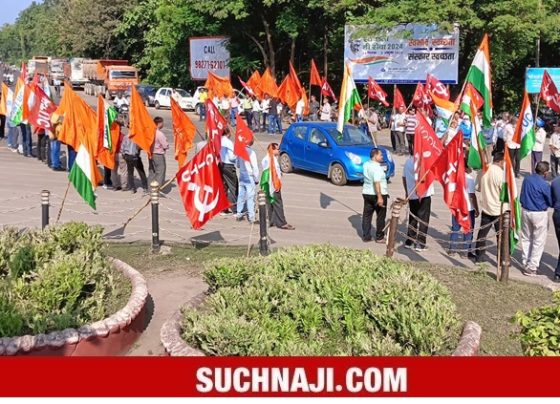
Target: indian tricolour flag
x=471 y=101
x=84 y=174
x=349 y=99
x=509 y=195
x=106 y=115
x=444 y=108
x=525 y=130
x=270 y=179
x=16 y=114
x=480 y=77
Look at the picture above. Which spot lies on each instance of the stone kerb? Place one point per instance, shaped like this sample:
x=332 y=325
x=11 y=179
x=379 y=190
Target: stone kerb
x=111 y=336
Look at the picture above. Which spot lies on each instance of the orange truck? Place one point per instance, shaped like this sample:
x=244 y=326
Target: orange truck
x=109 y=77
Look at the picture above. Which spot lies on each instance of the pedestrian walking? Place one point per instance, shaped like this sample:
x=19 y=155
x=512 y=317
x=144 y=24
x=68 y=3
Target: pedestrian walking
x=131 y=154
x=538 y=147
x=228 y=172
x=420 y=207
x=554 y=147
x=397 y=131
x=555 y=185
x=535 y=199
x=248 y=180
x=490 y=204
x=276 y=216
x=464 y=247
x=375 y=193
x=157 y=165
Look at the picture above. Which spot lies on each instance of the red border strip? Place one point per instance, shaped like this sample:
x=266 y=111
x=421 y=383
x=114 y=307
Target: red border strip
x=176 y=377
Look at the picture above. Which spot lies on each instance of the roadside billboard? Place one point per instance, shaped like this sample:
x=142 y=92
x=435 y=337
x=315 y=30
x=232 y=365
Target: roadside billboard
x=209 y=53
x=534 y=76
x=403 y=54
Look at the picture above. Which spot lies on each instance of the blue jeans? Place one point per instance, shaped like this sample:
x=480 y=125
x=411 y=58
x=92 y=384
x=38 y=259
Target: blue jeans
x=71 y=157
x=454 y=244
x=26 y=140
x=274 y=124
x=247 y=195
x=202 y=112
x=299 y=118
x=232 y=116
x=12 y=137
x=55 y=154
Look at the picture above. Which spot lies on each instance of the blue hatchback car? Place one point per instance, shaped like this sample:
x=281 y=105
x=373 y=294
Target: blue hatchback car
x=319 y=147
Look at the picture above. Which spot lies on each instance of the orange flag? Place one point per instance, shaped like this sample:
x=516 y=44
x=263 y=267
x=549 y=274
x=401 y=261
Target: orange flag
x=142 y=129
x=268 y=84
x=255 y=83
x=3 y=100
x=65 y=99
x=218 y=86
x=288 y=92
x=296 y=81
x=80 y=122
x=183 y=133
x=315 y=78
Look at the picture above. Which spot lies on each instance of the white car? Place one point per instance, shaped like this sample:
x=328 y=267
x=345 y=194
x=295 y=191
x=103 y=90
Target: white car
x=164 y=94
x=196 y=97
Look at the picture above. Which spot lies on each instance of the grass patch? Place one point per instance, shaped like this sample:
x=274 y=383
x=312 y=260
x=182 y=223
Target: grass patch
x=476 y=294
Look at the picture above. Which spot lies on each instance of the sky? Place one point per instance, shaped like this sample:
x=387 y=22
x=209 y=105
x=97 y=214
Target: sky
x=11 y=8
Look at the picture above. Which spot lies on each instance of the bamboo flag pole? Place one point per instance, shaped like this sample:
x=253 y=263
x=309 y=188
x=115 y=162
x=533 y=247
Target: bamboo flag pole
x=63 y=200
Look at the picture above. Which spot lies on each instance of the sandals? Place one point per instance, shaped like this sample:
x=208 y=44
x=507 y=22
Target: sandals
x=288 y=227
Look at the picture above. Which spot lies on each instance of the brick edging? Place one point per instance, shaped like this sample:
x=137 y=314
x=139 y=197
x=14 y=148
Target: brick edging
x=469 y=341
x=113 y=324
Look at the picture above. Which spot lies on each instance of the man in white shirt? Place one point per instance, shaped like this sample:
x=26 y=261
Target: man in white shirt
x=326 y=111
x=397 y=131
x=255 y=115
x=513 y=146
x=234 y=108
x=228 y=171
x=500 y=126
x=248 y=179
x=555 y=151
x=120 y=100
x=265 y=108
x=538 y=147
x=299 y=110
x=420 y=209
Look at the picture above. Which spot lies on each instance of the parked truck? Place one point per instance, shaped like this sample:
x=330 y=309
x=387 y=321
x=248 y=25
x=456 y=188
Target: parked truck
x=39 y=65
x=109 y=77
x=56 y=70
x=74 y=72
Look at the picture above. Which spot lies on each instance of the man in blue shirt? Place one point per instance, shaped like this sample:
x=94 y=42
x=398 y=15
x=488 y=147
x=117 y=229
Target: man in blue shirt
x=556 y=219
x=535 y=199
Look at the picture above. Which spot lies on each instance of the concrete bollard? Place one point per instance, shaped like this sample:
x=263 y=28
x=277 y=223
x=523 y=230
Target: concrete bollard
x=393 y=224
x=154 y=199
x=504 y=245
x=45 y=195
x=263 y=225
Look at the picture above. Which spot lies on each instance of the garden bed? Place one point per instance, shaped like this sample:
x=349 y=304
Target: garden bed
x=61 y=295
x=319 y=300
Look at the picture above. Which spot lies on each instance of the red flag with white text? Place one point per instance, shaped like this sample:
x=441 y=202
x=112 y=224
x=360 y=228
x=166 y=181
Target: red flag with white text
x=549 y=93
x=243 y=136
x=201 y=187
x=215 y=127
x=449 y=170
x=327 y=90
x=427 y=149
x=42 y=109
x=375 y=92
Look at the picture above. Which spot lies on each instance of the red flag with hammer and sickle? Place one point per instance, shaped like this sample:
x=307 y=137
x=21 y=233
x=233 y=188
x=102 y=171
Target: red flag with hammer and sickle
x=433 y=85
x=201 y=188
x=215 y=126
x=549 y=93
x=42 y=109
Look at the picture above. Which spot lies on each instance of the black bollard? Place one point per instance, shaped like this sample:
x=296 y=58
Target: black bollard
x=45 y=194
x=263 y=242
x=154 y=198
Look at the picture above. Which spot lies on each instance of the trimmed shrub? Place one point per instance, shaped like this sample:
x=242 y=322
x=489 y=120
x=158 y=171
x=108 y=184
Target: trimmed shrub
x=540 y=329
x=321 y=300
x=56 y=279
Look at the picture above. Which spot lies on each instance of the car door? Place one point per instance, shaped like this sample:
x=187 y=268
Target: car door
x=166 y=101
x=318 y=151
x=296 y=145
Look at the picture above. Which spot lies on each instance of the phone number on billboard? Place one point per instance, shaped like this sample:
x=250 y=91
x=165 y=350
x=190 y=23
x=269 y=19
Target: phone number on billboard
x=210 y=64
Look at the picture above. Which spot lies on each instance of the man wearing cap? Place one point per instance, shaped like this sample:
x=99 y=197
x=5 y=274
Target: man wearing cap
x=540 y=139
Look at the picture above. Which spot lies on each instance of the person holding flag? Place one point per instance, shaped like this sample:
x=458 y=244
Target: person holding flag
x=157 y=165
x=535 y=199
x=248 y=180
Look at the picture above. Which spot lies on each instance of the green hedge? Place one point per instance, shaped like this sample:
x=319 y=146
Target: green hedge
x=55 y=279
x=321 y=300
x=540 y=329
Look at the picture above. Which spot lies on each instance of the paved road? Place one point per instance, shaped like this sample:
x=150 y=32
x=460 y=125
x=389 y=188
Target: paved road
x=320 y=211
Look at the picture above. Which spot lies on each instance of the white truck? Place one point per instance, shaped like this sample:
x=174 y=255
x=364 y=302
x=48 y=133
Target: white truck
x=74 y=72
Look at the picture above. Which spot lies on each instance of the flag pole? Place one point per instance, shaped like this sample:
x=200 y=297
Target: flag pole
x=62 y=204
x=536 y=110
x=147 y=203
x=499 y=264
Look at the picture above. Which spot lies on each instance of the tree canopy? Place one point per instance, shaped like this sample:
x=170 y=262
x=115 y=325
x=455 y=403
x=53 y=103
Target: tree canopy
x=153 y=34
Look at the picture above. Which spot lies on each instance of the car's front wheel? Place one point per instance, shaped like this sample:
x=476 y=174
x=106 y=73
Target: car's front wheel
x=156 y=105
x=338 y=176
x=286 y=163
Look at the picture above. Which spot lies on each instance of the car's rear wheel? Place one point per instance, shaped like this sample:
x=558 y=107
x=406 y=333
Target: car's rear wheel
x=146 y=103
x=338 y=176
x=156 y=105
x=286 y=163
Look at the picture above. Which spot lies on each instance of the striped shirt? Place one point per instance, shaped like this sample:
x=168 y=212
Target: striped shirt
x=410 y=123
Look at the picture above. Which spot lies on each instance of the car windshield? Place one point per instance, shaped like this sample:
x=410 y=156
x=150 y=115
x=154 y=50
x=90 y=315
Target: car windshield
x=148 y=90
x=352 y=137
x=123 y=74
x=182 y=93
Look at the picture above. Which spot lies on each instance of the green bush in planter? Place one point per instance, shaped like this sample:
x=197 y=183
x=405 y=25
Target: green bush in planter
x=540 y=329
x=55 y=279
x=321 y=300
